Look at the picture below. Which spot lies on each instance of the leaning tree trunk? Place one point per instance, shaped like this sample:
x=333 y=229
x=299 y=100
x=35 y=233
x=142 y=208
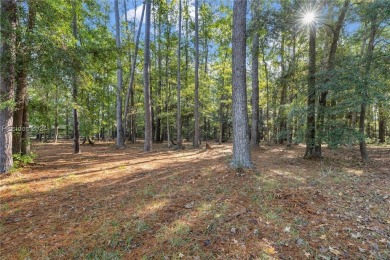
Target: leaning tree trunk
x=330 y=67
x=147 y=102
x=241 y=148
x=7 y=81
x=130 y=90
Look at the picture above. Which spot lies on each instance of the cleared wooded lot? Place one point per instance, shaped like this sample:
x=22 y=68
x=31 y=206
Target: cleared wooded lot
x=127 y=204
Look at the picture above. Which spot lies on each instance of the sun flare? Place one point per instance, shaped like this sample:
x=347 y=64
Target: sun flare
x=308 y=18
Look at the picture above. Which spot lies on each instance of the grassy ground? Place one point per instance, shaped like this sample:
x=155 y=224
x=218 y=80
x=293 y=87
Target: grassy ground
x=126 y=204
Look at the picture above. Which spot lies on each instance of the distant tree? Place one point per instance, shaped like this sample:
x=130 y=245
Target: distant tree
x=255 y=76
x=241 y=148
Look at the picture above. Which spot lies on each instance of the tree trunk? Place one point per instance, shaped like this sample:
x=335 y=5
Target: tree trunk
x=178 y=119
x=311 y=97
x=26 y=124
x=23 y=60
x=382 y=124
x=7 y=81
x=330 y=68
x=147 y=102
x=196 y=108
x=364 y=91
x=267 y=127
x=159 y=91
x=56 y=117
x=130 y=89
x=120 y=143
x=241 y=148
x=255 y=91
x=283 y=96
x=76 y=132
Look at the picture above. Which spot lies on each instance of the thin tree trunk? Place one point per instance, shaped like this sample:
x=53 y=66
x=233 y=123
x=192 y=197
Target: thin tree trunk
x=147 y=102
x=267 y=94
x=330 y=67
x=178 y=119
x=159 y=106
x=56 y=117
x=196 y=108
x=76 y=132
x=255 y=91
x=26 y=124
x=283 y=96
x=241 y=148
x=120 y=143
x=130 y=89
x=382 y=124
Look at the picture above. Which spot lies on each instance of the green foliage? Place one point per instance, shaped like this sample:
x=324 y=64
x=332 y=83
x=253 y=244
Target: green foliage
x=57 y=55
x=23 y=160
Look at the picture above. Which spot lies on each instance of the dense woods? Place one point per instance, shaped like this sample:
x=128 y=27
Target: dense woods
x=319 y=82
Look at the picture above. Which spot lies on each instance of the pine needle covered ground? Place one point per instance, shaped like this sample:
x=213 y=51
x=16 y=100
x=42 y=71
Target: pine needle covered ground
x=126 y=204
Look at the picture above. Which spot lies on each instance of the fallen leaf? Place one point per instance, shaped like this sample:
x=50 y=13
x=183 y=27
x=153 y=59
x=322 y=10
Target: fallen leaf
x=356 y=236
x=334 y=251
x=270 y=250
x=189 y=205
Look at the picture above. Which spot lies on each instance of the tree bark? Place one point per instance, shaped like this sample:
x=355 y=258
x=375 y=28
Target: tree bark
x=311 y=97
x=76 y=132
x=120 y=143
x=147 y=101
x=178 y=119
x=196 y=108
x=364 y=91
x=241 y=148
x=23 y=61
x=7 y=81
